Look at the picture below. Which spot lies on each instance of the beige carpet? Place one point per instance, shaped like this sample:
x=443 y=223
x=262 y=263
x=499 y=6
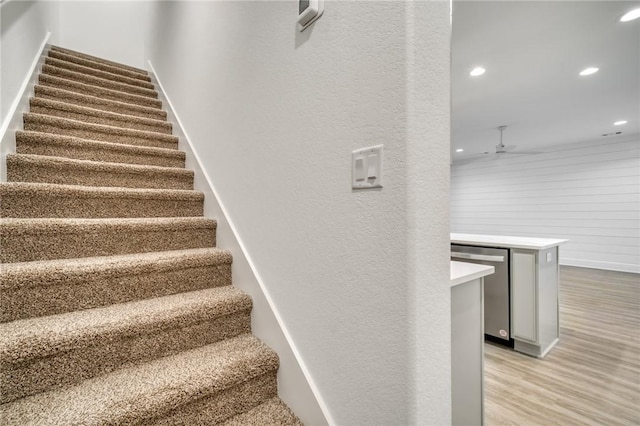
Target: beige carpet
x=116 y=305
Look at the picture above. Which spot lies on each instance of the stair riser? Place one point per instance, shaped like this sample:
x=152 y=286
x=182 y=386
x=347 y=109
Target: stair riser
x=46 y=92
x=97 y=59
x=101 y=136
x=100 y=82
x=113 y=352
x=20 y=204
x=123 y=122
x=93 y=290
x=221 y=406
x=87 y=89
x=94 y=152
x=273 y=411
x=104 y=241
x=97 y=65
x=99 y=73
x=18 y=171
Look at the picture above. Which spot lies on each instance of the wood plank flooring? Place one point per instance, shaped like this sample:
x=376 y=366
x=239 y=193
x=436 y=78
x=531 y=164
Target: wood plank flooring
x=592 y=376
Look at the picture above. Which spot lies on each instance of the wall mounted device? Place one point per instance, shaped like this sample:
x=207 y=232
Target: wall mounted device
x=309 y=11
x=366 y=164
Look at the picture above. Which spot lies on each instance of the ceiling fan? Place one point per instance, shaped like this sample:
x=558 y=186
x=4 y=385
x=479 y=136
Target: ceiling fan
x=501 y=148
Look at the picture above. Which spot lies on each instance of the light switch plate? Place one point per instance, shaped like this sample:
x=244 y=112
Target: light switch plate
x=367 y=161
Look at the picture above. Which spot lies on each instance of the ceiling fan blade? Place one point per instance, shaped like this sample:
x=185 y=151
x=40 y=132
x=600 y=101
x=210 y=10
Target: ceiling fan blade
x=522 y=152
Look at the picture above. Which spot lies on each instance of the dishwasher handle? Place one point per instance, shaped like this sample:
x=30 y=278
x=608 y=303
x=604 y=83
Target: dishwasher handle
x=485 y=257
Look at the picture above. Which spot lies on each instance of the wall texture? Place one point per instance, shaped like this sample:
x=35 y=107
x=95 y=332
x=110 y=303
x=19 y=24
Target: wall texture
x=588 y=193
x=108 y=29
x=360 y=279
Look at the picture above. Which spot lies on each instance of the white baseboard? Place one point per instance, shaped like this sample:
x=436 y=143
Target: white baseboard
x=295 y=385
x=19 y=106
x=609 y=266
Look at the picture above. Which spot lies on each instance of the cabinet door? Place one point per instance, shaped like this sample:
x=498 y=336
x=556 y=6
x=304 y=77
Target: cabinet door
x=523 y=295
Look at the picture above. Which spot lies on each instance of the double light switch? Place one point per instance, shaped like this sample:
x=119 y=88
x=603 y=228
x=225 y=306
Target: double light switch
x=367 y=167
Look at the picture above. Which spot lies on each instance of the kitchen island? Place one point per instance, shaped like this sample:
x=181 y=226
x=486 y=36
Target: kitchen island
x=531 y=286
x=467 y=342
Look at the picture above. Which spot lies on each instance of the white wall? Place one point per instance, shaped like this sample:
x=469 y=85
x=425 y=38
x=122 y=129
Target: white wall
x=588 y=193
x=23 y=28
x=360 y=279
x=114 y=30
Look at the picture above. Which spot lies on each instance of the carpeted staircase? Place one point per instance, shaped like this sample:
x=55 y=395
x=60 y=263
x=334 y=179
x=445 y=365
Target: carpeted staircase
x=117 y=307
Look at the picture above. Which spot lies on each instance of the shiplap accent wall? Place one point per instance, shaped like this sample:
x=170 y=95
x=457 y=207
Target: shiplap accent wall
x=587 y=192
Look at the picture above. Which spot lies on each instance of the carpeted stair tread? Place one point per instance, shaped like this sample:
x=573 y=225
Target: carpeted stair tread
x=55 y=272
x=47 y=92
x=100 y=132
x=50 y=287
x=49 y=144
x=91 y=115
x=29 y=199
x=65 y=171
x=96 y=59
x=156 y=389
x=98 y=65
x=100 y=73
x=273 y=412
x=42 y=337
x=88 y=89
x=26 y=240
x=37 y=354
x=97 y=81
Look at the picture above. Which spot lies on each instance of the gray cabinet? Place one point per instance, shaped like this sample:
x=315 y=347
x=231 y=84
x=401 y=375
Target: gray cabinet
x=534 y=300
x=467 y=350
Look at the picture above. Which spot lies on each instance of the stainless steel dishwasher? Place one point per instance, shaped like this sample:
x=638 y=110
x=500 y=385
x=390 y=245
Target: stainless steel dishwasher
x=497 y=299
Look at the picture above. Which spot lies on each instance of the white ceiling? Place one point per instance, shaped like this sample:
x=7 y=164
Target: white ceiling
x=533 y=52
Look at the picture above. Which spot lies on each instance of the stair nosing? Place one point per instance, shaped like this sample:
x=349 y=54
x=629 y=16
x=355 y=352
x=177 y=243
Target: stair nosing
x=99 y=128
x=99 y=82
x=84 y=191
x=98 y=65
x=56 y=334
x=83 y=69
x=116 y=93
x=166 y=152
x=70 y=107
x=105 y=166
x=60 y=270
x=98 y=59
x=98 y=100
x=80 y=225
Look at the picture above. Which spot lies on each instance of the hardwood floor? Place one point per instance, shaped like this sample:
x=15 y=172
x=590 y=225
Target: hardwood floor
x=592 y=376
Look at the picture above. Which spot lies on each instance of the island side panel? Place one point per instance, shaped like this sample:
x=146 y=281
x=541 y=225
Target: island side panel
x=524 y=319
x=534 y=296
x=467 y=353
x=548 y=299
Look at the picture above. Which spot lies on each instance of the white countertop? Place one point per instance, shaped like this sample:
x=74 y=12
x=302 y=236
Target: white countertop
x=505 y=241
x=462 y=272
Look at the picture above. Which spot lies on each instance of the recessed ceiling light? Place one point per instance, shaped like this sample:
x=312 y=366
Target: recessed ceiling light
x=459 y=150
x=620 y=123
x=589 y=71
x=477 y=71
x=631 y=15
